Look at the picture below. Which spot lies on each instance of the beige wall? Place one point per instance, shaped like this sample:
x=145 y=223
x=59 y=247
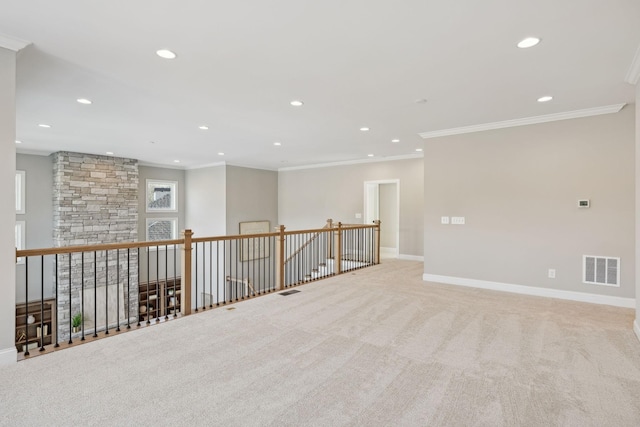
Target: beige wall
x=388 y=215
x=637 y=234
x=7 y=214
x=251 y=195
x=518 y=190
x=308 y=197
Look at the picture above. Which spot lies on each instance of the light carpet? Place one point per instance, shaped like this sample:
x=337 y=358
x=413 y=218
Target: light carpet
x=378 y=347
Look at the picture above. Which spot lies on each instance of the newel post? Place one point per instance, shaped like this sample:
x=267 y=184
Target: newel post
x=329 y=247
x=337 y=243
x=280 y=258
x=376 y=255
x=186 y=273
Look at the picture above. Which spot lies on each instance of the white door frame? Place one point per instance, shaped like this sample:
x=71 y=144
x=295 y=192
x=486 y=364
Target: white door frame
x=375 y=187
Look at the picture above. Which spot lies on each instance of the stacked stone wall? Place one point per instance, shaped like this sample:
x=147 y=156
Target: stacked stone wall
x=95 y=201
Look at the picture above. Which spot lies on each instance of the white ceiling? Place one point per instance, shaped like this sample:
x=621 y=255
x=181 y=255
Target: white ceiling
x=354 y=63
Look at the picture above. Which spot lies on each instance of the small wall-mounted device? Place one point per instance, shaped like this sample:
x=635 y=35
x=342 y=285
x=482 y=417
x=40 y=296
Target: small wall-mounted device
x=584 y=203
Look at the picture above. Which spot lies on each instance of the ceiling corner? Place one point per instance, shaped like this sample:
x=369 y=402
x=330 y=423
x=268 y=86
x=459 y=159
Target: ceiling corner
x=13 y=43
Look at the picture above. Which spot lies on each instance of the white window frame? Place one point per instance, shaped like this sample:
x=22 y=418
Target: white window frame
x=174 y=229
x=20 y=191
x=20 y=238
x=153 y=183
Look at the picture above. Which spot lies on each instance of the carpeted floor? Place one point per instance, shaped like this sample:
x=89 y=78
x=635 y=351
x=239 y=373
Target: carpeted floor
x=379 y=347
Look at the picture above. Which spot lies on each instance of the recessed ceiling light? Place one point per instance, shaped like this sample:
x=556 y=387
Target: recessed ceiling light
x=546 y=98
x=418 y=149
x=220 y=154
x=176 y=161
x=18 y=142
x=364 y=129
x=277 y=144
x=84 y=101
x=297 y=103
x=166 y=54
x=369 y=155
x=395 y=140
x=110 y=153
x=42 y=125
x=203 y=127
x=528 y=42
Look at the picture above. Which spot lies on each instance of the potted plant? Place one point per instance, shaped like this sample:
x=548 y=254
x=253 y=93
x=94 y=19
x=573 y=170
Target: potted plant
x=76 y=321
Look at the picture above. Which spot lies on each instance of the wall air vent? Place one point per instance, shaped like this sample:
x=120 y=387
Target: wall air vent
x=599 y=270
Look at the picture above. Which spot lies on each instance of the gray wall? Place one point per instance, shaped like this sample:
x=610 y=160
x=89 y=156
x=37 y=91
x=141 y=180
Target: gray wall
x=160 y=263
x=308 y=197
x=7 y=218
x=205 y=201
x=150 y=172
x=518 y=190
x=252 y=195
x=38 y=218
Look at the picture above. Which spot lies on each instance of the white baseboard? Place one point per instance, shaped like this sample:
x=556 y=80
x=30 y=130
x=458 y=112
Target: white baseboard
x=531 y=290
x=636 y=328
x=8 y=356
x=411 y=257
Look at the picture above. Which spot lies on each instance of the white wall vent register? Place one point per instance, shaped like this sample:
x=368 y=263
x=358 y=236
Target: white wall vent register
x=600 y=270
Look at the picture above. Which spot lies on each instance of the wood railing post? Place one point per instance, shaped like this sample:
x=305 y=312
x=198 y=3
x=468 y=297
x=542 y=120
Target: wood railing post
x=337 y=242
x=185 y=303
x=376 y=255
x=280 y=257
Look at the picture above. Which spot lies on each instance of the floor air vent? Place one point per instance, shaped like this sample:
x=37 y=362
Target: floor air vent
x=598 y=270
x=293 y=291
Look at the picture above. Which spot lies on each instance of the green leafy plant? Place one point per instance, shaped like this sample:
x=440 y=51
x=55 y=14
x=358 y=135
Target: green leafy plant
x=76 y=320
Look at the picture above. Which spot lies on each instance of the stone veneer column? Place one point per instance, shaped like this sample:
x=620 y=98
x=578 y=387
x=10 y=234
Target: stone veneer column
x=95 y=200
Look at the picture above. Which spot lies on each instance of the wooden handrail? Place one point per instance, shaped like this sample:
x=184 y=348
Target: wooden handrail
x=308 y=242
x=277 y=277
x=94 y=248
x=233 y=237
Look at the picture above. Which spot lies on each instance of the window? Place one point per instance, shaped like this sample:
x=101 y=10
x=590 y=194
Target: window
x=20 y=238
x=162 y=229
x=20 y=191
x=161 y=196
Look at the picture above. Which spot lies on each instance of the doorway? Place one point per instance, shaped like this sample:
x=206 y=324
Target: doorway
x=382 y=201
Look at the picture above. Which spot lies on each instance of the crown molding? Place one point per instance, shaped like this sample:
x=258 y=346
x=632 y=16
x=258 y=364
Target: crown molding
x=153 y=165
x=208 y=165
x=353 y=162
x=608 y=109
x=13 y=43
x=33 y=152
x=633 y=75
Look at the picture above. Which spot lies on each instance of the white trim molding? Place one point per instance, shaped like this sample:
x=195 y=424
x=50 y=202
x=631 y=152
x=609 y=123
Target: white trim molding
x=8 y=356
x=608 y=109
x=636 y=328
x=531 y=290
x=13 y=43
x=633 y=75
x=354 y=162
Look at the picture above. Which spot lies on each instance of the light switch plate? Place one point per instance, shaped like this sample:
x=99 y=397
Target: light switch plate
x=457 y=220
x=358 y=215
x=444 y=220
